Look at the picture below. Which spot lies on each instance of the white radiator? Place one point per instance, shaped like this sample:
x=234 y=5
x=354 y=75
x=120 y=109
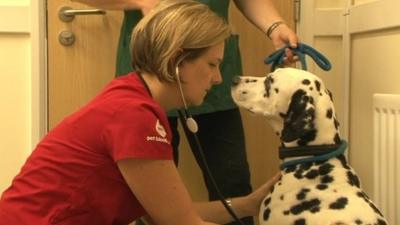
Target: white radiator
x=386 y=111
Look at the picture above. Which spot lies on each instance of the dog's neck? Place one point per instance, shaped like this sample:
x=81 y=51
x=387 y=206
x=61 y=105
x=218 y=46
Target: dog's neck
x=309 y=123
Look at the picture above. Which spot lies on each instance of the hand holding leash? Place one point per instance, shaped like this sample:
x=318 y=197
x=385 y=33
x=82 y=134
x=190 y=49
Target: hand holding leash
x=277 y=58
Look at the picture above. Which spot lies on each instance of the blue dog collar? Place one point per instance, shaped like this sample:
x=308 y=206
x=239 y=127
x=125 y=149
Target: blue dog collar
x=340 y=150
x=277 y=58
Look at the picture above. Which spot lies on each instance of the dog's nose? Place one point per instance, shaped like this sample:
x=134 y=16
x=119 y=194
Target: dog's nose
x=235 y=80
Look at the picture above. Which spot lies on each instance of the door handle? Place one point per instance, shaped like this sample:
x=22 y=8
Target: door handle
x=67 y=14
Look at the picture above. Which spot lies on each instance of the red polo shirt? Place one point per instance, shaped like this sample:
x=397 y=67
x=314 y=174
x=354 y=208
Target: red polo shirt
x=72 y=176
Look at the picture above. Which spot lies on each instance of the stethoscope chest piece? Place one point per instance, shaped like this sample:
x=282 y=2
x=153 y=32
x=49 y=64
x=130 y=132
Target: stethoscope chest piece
x=192 y=125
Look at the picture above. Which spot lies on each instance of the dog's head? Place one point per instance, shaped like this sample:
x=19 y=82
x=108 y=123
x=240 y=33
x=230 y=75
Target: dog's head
x=296 y=103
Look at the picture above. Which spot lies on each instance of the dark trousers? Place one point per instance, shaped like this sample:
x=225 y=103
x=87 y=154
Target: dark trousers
x=222 y=139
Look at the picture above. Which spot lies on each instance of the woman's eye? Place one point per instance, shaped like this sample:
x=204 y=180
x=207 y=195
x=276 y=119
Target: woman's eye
x=213 y=64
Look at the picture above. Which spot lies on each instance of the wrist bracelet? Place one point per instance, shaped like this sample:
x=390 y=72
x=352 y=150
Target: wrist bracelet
x=229 y=202
x=273 y=27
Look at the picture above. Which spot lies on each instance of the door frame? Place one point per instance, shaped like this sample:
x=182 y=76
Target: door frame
x=38 y=35
x=308 y=27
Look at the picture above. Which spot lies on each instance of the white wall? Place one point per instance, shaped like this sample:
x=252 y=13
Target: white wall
x=361 y=38
x=21 y=84
x=15 y=102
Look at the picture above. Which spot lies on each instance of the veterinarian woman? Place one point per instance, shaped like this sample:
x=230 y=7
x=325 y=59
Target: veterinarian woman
x=111 y=161
x=221 y=130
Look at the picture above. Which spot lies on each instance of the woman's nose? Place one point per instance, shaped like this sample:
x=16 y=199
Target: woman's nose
x=218 y=78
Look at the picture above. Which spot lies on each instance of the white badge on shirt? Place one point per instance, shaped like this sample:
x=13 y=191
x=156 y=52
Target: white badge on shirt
x=160 y=129
x=161 y=132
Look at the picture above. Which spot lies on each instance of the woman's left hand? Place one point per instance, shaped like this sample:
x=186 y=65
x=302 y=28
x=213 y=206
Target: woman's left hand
x=256 y=197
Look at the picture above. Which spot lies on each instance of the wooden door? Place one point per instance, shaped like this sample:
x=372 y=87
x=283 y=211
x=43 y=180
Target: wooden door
x=77 y=72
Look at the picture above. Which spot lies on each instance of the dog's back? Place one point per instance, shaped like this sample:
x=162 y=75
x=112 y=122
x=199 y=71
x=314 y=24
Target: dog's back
x=321 y=193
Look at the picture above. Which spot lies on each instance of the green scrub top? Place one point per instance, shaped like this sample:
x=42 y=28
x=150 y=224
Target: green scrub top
x=219 y=98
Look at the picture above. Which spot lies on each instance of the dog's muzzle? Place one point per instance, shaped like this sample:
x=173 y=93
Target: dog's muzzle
x=235 y=81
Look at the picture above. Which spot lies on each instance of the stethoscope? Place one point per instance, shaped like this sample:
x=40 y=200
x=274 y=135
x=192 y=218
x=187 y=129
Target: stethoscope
x=190 y=125
x=191 y=128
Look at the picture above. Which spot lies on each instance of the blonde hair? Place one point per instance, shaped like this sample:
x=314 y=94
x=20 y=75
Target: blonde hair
x=175 y=30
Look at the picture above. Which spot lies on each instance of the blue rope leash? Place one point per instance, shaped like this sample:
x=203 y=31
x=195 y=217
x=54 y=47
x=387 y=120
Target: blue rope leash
x=277 y=58
x=340 y=150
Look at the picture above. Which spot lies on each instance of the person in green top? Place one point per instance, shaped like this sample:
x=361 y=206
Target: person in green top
x=220 y=126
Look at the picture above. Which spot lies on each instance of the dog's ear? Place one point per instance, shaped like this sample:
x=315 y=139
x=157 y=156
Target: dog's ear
x=299 y=119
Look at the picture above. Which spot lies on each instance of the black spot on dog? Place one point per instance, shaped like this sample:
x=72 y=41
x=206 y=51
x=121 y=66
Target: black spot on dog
x=336 y=123
x=325 y=169
x=267 y=201
x=320 y=162
x=329 y=113
x=282 y=197
x=318 y=85
x=290 y=169
x=312 y=174
x=266 y=214
x=381 y=222
x=299 y=172
x=322 y=186
x=268 y=85
x=307 y=138
x=298 y=175
x=312 y=205
x=376 y=210
x=358 y=222
x=352 y=179
x=364 y=196
x=329 y=93
x=343 y=161
x=340 y=203
x=327 y=179
x=306 y=82
x=250 y=81
x=272 y=189
x=305 y=166
x=337 y=139
x=276 y=90
x=299 y=119
x=302 y=194
x=311 y=88
x=312 y=101
x=286 y=212
x=300 y=222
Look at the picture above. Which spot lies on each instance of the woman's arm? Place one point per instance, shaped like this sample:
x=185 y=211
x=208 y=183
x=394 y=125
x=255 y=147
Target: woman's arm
x=243 y=206
x=158 y=187
x=262 y=13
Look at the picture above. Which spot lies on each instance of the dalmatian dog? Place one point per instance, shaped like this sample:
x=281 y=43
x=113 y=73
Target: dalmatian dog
x=300 y=110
